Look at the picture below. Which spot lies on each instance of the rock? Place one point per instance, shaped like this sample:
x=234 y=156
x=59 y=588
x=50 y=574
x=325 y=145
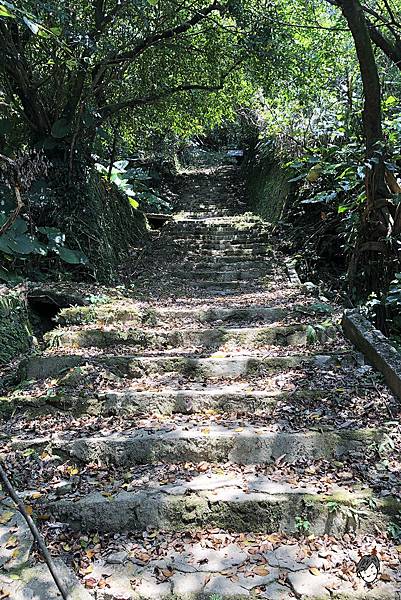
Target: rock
x=213 y=561
x=17 y=535
x=180 y=562
x=323 y=361
x=310 y=287
x=149 y=587
x=36 y=583
x=63 y=487
x=188 y=583
x=117 y=558
x=258 y=580
x=75 y=376
x=304 y=582
x=222 y=586
x=276 y=591
x=285 y=557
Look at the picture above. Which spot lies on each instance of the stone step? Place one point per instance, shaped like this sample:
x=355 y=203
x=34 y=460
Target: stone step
x=41 y=367
x=123 y=312
x=224 y=265
x=221 y=565
x=208 y=214
x=226 y=399
x=221 y=236
x=223 y=287
x=223 y=276
x=224 y=261
x=227 y=245
x=213 y=443
x=217 y=229
x=261 y=505
x=212 y=339
x=256 y=252
x=237 y=221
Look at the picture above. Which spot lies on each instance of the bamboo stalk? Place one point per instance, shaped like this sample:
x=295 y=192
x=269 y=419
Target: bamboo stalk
x=37 y=536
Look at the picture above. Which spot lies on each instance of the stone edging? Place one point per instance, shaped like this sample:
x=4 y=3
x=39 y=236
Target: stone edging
x=377 y=349
x=292 y=272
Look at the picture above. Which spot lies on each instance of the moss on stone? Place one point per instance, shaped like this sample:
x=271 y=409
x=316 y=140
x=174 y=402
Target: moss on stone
x=105 y=313
x=15 y=329
x=266 y=184
x=250 y=516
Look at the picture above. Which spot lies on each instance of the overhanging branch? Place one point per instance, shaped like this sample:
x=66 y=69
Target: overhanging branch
x=167 y=34
x=111 y=109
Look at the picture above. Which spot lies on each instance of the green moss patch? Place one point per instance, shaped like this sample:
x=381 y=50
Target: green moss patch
x=15 y=330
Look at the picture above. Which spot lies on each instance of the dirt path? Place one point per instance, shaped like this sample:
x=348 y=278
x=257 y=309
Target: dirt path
x=215 y=435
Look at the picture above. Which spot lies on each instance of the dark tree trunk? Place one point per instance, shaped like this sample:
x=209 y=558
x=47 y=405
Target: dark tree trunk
x=369 y=268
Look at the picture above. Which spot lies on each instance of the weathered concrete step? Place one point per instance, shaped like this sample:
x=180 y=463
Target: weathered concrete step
x=209 y=214
x=224 y=252
x=226 y=245
x=230 y=399
x=214 y=444
x=231 y=265
x=153 y=317
x=221 y=565
x=220 y=262
x=35 y=582
x=133 y=366
x=224 y=276
x=218 y=229
x=223 y=286
x=237 y=221
x=271 y=507
x=221 y=236
x=255 y=337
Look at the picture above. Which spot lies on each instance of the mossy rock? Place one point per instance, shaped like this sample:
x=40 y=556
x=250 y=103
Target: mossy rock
x=15 y=329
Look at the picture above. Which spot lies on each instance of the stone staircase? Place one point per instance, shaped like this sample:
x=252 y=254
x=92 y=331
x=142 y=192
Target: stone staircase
x=217 y=438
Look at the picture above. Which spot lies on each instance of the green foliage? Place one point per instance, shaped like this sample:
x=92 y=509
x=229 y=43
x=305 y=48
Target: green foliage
x=302 y=525
x=394 y=529
x=18 y=242
x=132 y=183
x=393 y=299
x=161 y=67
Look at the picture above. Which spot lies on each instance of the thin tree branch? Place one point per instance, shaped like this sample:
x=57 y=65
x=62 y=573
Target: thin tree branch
x=389 y=49
x=163 y=35
x=111 y=109
x=38 y=538
x=317 y=26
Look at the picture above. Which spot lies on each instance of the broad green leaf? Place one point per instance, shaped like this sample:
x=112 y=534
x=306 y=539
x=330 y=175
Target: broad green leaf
x=134 y=203
x=72 y=257
x=20 y=226
x=53 y=234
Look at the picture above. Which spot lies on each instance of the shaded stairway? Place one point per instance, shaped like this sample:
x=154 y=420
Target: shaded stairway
x=217 y=436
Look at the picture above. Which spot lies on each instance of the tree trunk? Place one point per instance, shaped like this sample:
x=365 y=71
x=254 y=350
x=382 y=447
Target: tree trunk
x=369 y=268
